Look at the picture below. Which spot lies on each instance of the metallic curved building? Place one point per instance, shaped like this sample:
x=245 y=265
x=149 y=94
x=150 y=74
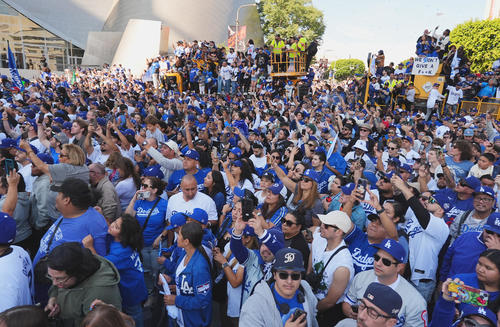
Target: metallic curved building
x=102 y=27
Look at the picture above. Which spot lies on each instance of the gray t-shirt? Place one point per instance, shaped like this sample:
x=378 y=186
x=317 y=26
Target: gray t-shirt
x=59 y=172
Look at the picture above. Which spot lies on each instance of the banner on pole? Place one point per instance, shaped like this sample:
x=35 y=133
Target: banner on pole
x=14 y=73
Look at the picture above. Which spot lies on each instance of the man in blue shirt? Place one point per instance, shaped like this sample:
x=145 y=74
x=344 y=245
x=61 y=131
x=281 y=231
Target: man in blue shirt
x=455 y=202
x=318 y=164
x=190 y=166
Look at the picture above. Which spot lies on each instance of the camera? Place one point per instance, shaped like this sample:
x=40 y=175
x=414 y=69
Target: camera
x=314 y=281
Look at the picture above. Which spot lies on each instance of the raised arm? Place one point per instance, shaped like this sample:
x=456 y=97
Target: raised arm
x=287 y=181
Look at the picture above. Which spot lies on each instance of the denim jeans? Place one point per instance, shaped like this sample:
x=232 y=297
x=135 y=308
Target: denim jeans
x=426 y=288
x=135 y=311
x=150 y=265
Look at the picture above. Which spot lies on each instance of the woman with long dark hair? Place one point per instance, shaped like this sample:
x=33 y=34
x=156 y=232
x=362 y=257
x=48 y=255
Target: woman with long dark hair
x=274 y=207
x=193 y=280
x=124 y=252
x=216 y=189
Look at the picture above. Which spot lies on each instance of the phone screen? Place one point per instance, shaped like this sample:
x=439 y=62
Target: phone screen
x=9 y=165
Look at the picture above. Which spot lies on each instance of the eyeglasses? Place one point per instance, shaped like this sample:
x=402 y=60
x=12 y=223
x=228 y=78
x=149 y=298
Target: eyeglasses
x=58 y=280
x=289 y=223
x=483 y=199
x=276 y=157
x=61 y=155
x=305 y=179
x=385 y=261
x=468 y=322
x=429 y=199
x=145 y=186
x=371 y=311
x=283 y=275
x=311 y=144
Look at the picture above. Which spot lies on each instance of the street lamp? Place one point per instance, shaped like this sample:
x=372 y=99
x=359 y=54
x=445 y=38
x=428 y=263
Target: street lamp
x=238 y=23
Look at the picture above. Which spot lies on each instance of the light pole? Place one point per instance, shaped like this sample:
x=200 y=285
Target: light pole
x=238 y=23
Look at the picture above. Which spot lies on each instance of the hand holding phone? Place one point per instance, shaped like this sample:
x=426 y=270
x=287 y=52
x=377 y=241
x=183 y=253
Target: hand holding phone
x=299 y=315
x=468 y=294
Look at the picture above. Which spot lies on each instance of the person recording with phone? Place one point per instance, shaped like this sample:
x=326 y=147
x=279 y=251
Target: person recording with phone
x=286 y=299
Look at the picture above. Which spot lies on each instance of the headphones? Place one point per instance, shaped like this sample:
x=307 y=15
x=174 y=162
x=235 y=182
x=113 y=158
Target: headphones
x=284 y=308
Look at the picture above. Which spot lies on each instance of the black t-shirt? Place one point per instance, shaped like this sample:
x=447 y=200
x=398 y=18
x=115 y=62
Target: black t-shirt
x=298 y=242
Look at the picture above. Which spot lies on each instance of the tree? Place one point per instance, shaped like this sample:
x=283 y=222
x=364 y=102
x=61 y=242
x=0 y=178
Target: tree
x=481 y=42
x=291 y=17
x=344 y=68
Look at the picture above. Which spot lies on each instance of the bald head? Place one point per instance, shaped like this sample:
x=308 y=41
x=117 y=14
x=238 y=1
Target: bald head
x=189 y=187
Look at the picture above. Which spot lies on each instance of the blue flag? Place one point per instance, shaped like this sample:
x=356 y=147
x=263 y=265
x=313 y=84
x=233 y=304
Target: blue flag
x=16 y=79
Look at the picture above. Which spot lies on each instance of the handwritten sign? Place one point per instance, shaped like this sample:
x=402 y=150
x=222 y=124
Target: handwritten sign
x=425 y=66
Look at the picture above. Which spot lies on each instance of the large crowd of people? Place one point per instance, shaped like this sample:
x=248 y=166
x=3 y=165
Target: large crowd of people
x=247 y=200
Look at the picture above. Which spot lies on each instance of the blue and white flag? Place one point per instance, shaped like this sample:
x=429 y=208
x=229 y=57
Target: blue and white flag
x=373 y=69
x=16 y=78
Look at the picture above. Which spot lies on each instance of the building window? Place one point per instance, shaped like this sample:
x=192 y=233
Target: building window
x=33 y=46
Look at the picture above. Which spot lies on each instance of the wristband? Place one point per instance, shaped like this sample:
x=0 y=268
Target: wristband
x=444 y=166
x=224 y=265
x=380 y=211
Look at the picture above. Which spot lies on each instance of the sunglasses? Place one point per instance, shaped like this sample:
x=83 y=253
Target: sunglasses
x=429 y=199
x=385 y=261
x=391 y=148
x=364 y=130
x=490 y=232
x=289 y=223
x=311 y=144
x=145 y=185
x=284 y=275
x=332 y=226
x=305 y=179
x=463 y=184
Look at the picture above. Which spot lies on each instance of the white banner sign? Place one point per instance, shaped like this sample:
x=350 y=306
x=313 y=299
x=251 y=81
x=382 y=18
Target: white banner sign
x=425 y=66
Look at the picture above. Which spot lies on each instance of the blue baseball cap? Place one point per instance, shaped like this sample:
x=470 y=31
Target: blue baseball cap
x=200 y=216
x=67 y=125
x=176 y=220
x=273 y=235
x=348 y=188
x=276 y=188
x=288 y=259
x=493 y=223
x=33 y=148
x=236 y=151
x=237 y=163
x=248 y=231
x=484 y=190
x=8 y=143
x=472 y=310
x=312 y=174
x=46 y=158
x=406 y=167
x=153 y=171
x=239 y=192
x=471 y=182
x=468 y=132
x=394 y=248
x=192 y=154
x=384 y=297
x=7 y=229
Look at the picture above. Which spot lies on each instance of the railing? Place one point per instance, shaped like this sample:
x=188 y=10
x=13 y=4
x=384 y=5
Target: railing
x=288 y=63
x=482 y=106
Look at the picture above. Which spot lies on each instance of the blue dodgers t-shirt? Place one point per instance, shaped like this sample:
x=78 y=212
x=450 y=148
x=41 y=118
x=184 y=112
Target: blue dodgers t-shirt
x=74 y=230
x=362 y=252
x=452 y=206
x=132 y=286
x=324 y=175
x=176 y=177
x=459 y=169
x=156 y=222
x=293 y=304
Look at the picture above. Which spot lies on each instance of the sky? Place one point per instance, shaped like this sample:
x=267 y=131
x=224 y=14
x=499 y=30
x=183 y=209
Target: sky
x=356 y=27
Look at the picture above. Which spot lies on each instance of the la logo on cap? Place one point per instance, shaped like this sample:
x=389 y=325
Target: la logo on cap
x=481 y=311
x=289 y=257
x=497 y=222
x=387 y=244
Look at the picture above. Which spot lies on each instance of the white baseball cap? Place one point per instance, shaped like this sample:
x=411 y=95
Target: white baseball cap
x=360 y=144
x=172 y=145
x=337 y=218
